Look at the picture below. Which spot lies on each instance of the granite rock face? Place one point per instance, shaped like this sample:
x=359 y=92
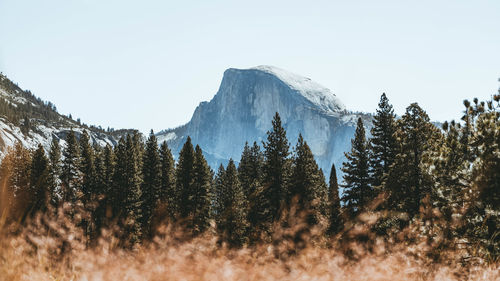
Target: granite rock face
x=245 y=104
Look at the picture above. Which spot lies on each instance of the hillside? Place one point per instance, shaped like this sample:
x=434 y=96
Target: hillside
x=30 y=120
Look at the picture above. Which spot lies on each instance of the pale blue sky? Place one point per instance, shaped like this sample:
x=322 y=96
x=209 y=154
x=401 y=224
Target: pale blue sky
x=147 y=64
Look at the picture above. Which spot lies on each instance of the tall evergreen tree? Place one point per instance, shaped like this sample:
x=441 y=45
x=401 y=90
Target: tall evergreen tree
x=409 y=180
x=106 y=194
x=15 y=176
x=151 y=185
x=100 y=193
x=450 y=171
x=250 y=168
x=39 y=184
x=307 y=185
x=71 y=177
x=483 y=217
x=133 y=200
x=336 y=222
x=87 y=168
x=357 y=190
x=184 y=174
x=200 y=193
x=117 y=194
x=233 y=213
x=250 y=175
x=55 y=172
x=219 y=195
x=109 y=164
x=167 y=183
x=383 y=143
x=276 y=172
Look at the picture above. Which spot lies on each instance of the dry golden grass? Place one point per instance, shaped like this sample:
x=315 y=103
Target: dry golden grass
x=52 y=249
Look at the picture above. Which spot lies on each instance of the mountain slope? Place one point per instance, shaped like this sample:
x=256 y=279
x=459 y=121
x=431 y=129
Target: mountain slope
x=29 y=120
x=245 y=104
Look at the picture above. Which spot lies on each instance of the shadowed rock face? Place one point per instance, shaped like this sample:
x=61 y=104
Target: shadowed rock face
x=244 y=106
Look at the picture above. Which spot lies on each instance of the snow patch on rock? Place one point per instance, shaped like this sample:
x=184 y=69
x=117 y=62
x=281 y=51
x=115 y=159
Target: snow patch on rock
x=314 y=92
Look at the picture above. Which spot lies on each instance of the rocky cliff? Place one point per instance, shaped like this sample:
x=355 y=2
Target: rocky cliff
x=245 y=104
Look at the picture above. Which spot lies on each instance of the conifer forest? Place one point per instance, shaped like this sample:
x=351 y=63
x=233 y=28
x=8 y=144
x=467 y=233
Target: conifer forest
x=414 y=200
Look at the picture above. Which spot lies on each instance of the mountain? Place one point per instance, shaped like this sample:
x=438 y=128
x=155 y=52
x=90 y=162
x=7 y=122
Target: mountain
x=241 y=111
x=29 y=120
x=245 y=104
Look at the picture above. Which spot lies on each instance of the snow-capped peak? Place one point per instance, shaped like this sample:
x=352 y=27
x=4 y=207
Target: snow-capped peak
x=312 y=91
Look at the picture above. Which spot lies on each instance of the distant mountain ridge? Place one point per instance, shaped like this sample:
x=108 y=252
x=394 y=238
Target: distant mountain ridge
x=245 y=104
x=29 y=120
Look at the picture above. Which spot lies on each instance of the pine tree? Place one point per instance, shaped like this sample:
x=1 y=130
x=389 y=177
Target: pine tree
x=357 y=190
x=383 y=143
x=219 y=195
x=408 y=181
x=119 y=183
x=106 y=171
x=109 y=160
x=276 y=172
x=15 y=175
x=336 y=222
x=55 y=172
x=100 y=193
x=250 y=168
x=87 y=168
x=151 y=186
x=200 y=193
x=450 y=171
x=483 y=217
x=250 y=175
x=71 y=176
x=307 y=185
x=168 y=192
x=133 y=202
x=233 y=215
x=184 y=174
x=39 y=183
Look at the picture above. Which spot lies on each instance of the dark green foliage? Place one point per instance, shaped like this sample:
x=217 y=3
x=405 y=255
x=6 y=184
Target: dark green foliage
x=250 y=168
x=199 y=193
x=55 y=172
x=409 y=180
x=71 y=178
x=232 y=209
x=450 y=177
x=250 y=175
x=119 y=183
x=276 y=173
x=126 y=194
x=336 y=221
x=87 y=168
x=307 y=185
x=106 y=187
x=184 y=174
x=482 y=220
x=167 y=183
x=39 y=183
x=357 y=191
x=383 y=143
x=219 y=195
x=151 y=185
x=133 y=192
x=15 y=177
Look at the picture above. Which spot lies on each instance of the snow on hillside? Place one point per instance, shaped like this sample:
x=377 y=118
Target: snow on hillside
x=314 y=92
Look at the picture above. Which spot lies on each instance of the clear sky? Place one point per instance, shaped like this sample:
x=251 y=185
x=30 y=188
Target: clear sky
x=147 y=64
